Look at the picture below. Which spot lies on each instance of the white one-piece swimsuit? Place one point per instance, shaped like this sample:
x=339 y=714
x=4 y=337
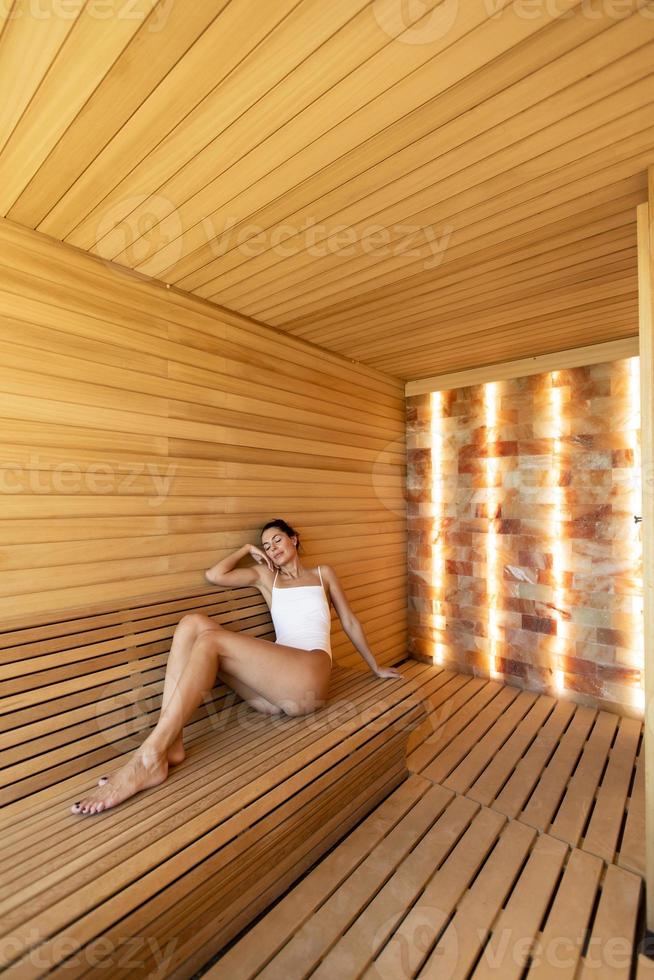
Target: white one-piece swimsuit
x=301 y=616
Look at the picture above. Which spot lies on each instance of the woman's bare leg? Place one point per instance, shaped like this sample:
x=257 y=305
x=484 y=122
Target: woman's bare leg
x=186 y=633
x=249 y=695
x=148 y=766
x=295 y=681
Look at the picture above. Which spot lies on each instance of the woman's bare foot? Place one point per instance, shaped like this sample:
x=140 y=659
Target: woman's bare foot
x=143 y=770
x=176 y=754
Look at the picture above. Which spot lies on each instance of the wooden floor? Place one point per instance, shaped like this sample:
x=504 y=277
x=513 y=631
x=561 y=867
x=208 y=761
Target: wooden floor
x=515 y=848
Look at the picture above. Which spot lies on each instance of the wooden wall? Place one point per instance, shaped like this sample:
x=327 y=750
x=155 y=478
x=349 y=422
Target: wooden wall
x=145 y=433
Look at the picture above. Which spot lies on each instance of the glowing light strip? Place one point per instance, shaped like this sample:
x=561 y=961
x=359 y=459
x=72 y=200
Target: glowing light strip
x=437 y=509
x=635 y=551
x=556 y=536
x=492 y=502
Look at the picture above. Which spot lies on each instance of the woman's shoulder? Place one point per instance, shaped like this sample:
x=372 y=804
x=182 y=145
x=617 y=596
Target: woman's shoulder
x=266 y=579
x=327 y=574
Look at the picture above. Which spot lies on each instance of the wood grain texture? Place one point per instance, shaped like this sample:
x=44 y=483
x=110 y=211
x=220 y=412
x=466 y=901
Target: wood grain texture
x=254 y=804
x=414 y=186
x=146 y=434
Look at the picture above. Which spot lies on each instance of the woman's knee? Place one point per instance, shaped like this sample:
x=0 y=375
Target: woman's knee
x=194 y=622
x=207 y=642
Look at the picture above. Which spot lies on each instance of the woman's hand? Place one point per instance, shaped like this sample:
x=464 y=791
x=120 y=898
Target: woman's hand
x=261 y=557
x=389 y=672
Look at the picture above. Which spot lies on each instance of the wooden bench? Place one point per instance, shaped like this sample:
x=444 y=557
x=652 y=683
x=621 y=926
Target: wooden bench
x=158 y=885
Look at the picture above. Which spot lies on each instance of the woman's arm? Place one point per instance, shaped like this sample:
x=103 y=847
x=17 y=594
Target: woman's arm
x=225 y=572
x=351 y=624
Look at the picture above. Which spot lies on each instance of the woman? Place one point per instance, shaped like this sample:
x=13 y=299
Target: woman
x=289 y=676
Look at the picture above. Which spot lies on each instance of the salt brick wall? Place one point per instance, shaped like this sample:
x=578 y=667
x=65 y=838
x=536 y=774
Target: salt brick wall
x=593 y=635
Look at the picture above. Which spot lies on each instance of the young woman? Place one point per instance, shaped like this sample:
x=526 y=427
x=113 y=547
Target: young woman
x=289 y=676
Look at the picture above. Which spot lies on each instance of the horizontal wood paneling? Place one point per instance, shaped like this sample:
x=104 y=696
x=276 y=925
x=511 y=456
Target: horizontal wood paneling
x=413 y=186
x=146 y=433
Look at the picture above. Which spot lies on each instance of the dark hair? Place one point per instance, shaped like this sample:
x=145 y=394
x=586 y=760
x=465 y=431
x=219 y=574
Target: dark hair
x=283 y=526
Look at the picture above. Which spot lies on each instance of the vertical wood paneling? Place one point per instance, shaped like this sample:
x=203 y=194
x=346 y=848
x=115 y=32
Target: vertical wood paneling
x=646 y=338
x=145 y=433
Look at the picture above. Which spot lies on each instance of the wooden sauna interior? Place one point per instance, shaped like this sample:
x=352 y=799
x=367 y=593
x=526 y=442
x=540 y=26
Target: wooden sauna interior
x=383 y=269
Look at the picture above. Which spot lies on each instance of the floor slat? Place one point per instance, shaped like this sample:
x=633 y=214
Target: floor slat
x=511 y=876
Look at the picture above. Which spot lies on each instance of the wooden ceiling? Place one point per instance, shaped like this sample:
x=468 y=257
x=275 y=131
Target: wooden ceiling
x=420 y=187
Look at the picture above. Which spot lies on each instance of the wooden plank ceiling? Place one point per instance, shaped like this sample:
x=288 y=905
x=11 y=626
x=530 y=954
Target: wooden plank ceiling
x=420 y=187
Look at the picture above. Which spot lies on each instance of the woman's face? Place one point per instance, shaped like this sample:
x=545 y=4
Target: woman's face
x=278 y=545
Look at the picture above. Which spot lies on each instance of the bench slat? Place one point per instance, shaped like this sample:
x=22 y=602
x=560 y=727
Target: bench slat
x=602 y=835
x=232 y=736
x=464 y=705
x=22 y=644
x=314 y=939
x=14 y=632
x=256 y=801
x=354 y=950
x=198 y=816
x=266 y=937
x=212 y=899
x=632 y=849
x=572 y=814
x=489 y=783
